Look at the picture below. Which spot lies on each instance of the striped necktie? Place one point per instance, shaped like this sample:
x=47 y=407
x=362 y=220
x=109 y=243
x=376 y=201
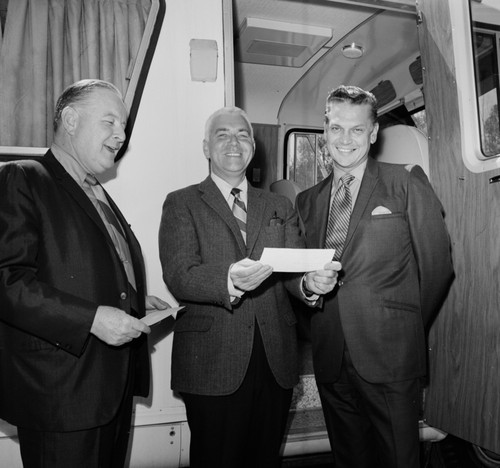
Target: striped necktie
x=340 y=213
x=96 y=194
x=240 y=212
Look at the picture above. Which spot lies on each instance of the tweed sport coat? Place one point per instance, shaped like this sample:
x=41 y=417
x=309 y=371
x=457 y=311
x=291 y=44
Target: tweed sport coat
x=199 y=240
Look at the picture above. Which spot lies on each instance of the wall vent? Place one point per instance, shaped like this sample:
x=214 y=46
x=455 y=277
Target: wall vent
x=278 y=43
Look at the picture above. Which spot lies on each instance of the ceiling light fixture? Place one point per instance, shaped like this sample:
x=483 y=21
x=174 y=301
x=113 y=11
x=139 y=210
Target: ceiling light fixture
x=352 y=51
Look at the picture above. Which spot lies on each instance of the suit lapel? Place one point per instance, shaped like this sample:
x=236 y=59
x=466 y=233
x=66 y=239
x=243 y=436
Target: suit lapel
x=370 y=180
x=62 y=177
x=314 y=211
x=212 y=196
x=255 y=216
x=322 y=211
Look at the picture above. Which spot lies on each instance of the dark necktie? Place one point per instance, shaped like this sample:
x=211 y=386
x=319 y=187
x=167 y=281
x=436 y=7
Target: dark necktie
x=340 y=213
x=96 y=194
x=240 y=212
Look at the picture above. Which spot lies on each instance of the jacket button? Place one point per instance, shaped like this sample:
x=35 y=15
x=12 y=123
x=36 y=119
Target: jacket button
x=123 y=295
x=340 y=283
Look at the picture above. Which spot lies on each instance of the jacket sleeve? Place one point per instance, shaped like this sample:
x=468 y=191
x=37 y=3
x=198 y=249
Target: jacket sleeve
x=27 y=303
x=430 y=241
x=187 y=275
x=293 y=282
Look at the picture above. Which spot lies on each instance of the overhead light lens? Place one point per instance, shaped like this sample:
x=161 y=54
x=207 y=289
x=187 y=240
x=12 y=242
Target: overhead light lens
x=352 y=51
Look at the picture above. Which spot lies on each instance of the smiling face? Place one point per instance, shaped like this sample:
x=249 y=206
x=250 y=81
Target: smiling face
x=96 y=129
x=349 y=133
x=230 y=147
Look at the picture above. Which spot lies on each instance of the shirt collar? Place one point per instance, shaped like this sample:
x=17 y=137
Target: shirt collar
x=226 y=188
x=357 y=172
x=70 y=164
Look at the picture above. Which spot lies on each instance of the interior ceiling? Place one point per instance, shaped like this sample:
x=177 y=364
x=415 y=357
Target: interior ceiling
x=340 y=18
x=262 y=87
x=316 y=14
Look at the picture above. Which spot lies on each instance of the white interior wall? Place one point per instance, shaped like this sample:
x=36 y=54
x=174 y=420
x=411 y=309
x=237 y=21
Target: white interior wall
x=165 y=153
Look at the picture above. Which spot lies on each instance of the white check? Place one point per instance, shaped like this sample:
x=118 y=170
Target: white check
x=158 y=315
x=296 y=260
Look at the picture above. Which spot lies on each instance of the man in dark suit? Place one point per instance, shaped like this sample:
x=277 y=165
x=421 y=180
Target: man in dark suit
x=369 y=344
x=73 y=351
x=234 y=355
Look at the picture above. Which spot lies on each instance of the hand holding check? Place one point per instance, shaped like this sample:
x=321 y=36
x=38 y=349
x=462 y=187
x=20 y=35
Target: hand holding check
x=323 y=281
x=247 y=274
x=322 y=272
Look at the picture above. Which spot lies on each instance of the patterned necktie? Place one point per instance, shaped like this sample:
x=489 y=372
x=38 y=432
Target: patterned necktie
x=96 y=194
x=340 y=213
x=240 y=212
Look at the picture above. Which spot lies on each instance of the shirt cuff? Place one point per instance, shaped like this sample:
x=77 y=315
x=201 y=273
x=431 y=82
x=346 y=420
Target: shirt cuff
x=234 y=292
x=309 y=296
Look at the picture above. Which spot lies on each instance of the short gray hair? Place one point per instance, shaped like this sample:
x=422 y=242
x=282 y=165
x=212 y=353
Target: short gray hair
x=227 y=110
x=78 y=92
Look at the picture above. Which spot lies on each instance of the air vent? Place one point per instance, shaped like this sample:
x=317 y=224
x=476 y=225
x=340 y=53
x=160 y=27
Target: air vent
x=278 y=43
x=416 y=71
x=384 y=92
x=275 y=48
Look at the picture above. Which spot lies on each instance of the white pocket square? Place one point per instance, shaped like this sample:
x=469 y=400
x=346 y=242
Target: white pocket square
x=381 y=210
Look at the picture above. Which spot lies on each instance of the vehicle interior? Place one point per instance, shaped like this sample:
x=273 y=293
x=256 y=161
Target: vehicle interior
x=433 y=66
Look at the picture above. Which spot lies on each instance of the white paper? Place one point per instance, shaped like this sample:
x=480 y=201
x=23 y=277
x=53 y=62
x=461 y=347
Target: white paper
x=296 y=260
x=157 y=315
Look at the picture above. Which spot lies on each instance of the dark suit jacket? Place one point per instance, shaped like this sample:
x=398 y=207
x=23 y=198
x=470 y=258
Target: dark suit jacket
x=396 y=271
x=57 y=265
x=199 y=240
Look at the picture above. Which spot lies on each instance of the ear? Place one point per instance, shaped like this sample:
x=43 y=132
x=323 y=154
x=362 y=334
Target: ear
x=325 y=126
x=69 y=119
x=206 y=150
x=373 y=136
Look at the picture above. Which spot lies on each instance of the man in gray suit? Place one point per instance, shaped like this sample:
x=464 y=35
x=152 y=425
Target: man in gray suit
x=235 y=351
x=368 y=336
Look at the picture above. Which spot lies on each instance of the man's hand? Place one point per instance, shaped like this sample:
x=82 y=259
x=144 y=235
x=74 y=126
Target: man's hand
x=247 y=274
x=115 y=327
x=323 y=281
x=153 y=302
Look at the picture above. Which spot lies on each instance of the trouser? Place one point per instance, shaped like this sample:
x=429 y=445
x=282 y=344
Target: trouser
x=244 y=429
x=371 y=423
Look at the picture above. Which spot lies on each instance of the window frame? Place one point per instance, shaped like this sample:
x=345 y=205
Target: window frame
x=463 y=54
x=494 y=31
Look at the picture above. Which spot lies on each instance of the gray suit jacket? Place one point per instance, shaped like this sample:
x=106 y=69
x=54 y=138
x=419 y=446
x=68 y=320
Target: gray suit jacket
x=199 y=240
x=396 y=271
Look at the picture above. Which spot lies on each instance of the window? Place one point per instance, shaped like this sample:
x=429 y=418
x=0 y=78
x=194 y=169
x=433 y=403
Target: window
x=306 y=161
x=486 y=55
x=420 y=120
x=70 y=40
x=474 y=28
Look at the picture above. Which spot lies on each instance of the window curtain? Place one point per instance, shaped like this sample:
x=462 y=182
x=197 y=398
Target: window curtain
x=49 y=44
